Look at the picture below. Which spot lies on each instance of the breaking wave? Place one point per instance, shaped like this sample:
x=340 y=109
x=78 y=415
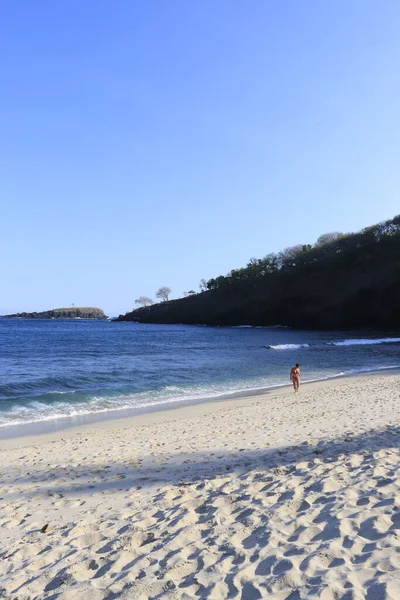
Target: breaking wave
x=348 y=342
x=365 y=342
x=37 y=411
x=288 y=346
x=52 y=370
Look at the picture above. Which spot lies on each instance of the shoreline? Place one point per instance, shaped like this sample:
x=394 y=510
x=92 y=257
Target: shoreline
x=277 y=496
x=16 y=435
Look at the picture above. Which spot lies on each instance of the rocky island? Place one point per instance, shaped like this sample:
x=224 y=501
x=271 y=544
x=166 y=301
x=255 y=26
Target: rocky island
x=86 y=312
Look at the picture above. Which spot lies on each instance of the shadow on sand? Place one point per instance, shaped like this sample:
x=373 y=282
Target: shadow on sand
x=181 y=469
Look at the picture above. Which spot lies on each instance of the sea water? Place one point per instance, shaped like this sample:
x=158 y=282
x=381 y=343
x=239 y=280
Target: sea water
x=58 y=368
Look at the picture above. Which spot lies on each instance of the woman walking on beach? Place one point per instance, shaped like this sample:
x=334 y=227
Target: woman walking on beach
x=295 y=377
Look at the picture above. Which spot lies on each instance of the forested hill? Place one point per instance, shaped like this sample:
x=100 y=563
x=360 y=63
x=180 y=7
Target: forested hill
x=347 y=281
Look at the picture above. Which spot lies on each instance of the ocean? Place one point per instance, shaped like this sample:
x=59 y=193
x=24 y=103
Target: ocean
x=54 y=369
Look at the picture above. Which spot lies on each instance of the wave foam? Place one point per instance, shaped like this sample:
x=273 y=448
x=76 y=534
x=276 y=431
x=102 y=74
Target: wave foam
x=365 y=342
x=288 y=346
x=37 y=411
x=348 y=342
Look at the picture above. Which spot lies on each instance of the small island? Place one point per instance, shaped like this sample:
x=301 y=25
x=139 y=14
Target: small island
x=75 y=312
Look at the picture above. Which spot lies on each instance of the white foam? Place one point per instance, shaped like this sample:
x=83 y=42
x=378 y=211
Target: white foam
x=271 y=327
x=288 y=346
x=37 y=411
x=365 y=342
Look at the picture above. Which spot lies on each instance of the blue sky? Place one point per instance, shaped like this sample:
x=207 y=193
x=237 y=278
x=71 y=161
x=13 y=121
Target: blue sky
x=156 y=143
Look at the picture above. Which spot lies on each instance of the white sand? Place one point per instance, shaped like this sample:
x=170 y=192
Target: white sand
x=280 y=496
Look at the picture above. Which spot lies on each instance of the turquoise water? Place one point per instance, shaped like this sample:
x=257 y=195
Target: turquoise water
x=51 y=369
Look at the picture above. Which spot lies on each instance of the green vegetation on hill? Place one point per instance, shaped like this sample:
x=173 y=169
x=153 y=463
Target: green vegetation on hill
x=347 y=281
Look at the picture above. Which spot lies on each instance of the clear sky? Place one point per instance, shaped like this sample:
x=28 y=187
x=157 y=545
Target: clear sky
x=158 y=142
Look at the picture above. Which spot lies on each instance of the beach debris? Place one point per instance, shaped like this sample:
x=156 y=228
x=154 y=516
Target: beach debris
x=169 y=585
x=44 y=528
x=149 y=538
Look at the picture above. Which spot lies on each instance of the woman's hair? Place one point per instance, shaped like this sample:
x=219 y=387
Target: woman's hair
x=297 y=365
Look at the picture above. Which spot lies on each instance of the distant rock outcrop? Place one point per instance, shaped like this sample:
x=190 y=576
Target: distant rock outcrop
x=86 y=312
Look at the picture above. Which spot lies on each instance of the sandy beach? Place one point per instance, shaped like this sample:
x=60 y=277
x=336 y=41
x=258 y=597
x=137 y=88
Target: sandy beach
x=277 y=496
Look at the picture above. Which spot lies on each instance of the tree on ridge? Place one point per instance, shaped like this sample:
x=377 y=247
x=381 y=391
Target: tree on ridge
x=327 y=238
x=163 y=293
x=203 y=285
x=144 y=301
